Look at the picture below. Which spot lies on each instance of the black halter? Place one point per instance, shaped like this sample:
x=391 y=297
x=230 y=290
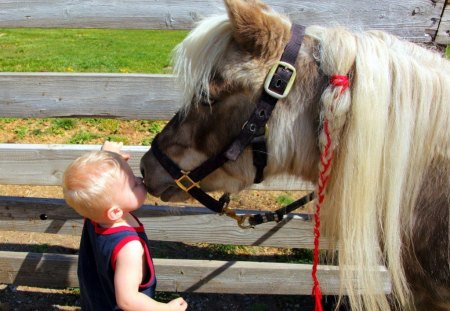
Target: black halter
x=277 y=86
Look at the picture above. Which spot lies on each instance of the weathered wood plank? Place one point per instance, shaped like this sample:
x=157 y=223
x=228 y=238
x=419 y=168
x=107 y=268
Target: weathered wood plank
x=162 y=223
x=123 y=96
x=39 y=164
x=176 y=275
x=414 y=19
x=443 y=33
x=36 y=164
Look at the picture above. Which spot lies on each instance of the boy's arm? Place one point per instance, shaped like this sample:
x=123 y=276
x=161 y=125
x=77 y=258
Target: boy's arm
x=127 y=278
x=115 y=147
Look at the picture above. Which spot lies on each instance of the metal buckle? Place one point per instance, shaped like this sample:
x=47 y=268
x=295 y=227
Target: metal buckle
x=185 y=182
x=270 y=77
x=242 y=220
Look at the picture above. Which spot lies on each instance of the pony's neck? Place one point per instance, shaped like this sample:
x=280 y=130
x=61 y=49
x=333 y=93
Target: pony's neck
x=292 y=143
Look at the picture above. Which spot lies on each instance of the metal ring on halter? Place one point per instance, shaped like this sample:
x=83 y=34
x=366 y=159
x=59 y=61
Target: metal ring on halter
x=242 y=220
x=239 y=219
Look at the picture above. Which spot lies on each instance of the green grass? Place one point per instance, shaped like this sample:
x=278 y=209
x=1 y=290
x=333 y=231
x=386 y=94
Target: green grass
x=21 y=131
x=87 y=50
x=83 y=137
x=60 y=125
x=284 y=199
x=447 y=51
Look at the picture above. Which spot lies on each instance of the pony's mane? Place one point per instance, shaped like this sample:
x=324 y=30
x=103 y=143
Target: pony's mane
x=195 y=57
x=387 y=135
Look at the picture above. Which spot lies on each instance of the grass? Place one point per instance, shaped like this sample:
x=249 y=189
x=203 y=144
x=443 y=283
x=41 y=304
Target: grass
x=87 y=50
x=82 y=137
x=284 y=199
x=447 y=51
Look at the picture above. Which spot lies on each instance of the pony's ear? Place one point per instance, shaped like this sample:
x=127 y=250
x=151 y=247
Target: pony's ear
x=256 y=27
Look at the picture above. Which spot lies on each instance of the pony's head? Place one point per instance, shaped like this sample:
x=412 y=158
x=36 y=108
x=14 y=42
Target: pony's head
x=222 y=65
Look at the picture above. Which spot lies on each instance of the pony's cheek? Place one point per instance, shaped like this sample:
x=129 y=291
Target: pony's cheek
x=189 y=159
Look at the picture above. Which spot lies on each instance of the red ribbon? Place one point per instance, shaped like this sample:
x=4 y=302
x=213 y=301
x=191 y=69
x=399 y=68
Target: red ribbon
x=326 y=160
x=340 y=80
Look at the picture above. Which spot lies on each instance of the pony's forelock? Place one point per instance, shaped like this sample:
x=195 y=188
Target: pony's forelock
x=194 y=59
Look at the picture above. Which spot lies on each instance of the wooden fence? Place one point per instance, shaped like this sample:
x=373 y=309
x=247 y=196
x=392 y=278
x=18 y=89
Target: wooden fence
x=154 y=97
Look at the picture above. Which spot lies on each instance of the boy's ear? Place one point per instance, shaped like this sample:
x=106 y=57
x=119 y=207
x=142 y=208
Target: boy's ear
x=114 y=213
x=125 y=156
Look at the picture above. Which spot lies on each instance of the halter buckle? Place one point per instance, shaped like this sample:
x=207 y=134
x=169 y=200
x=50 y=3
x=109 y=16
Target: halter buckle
x=270 y=77
x=241 y=220
x=185 y=182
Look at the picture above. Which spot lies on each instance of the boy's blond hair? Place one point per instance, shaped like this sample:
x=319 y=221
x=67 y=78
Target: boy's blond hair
x=87 y=181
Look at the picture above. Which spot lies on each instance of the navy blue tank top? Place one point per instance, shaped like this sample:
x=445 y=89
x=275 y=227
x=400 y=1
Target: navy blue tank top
x=99 y=248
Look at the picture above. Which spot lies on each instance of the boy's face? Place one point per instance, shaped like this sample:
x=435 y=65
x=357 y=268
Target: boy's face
x=128 y=191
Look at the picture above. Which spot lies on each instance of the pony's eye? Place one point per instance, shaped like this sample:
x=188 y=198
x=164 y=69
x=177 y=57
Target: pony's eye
x=210 y=101
x=205 y=100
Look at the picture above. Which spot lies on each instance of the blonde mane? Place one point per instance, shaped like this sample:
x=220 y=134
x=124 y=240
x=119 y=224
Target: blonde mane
x=195 y=57
x=394 y=126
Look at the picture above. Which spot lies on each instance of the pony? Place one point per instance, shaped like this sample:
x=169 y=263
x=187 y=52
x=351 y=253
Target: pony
x=378 y=149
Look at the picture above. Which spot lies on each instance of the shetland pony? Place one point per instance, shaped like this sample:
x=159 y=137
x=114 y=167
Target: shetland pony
x=388 y=186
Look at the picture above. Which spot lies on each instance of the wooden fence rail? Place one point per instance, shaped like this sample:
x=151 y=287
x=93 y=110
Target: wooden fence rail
x=162 y=223
x=155 y=97
x=201 y=276
x=119 y=96
x=416 y=20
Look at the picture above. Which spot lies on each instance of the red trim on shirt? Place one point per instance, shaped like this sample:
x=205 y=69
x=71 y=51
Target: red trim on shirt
x=148 y=258
x=101 y=230
x=149 y=263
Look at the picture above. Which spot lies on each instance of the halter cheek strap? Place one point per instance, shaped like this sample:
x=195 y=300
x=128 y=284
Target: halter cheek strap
x=277 y=86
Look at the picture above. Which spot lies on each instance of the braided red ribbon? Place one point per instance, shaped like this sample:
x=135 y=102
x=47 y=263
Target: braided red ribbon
x=326 y=159
x=340 y=80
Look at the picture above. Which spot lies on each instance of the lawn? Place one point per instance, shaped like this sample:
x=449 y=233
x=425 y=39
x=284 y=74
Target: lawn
x=87 y=50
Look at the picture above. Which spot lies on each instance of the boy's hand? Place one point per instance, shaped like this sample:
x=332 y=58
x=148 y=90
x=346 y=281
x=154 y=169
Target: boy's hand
x=178 y=304
x=115 y=147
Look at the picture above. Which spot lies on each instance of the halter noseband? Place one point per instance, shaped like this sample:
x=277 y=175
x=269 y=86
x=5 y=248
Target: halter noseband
x=277 y=86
